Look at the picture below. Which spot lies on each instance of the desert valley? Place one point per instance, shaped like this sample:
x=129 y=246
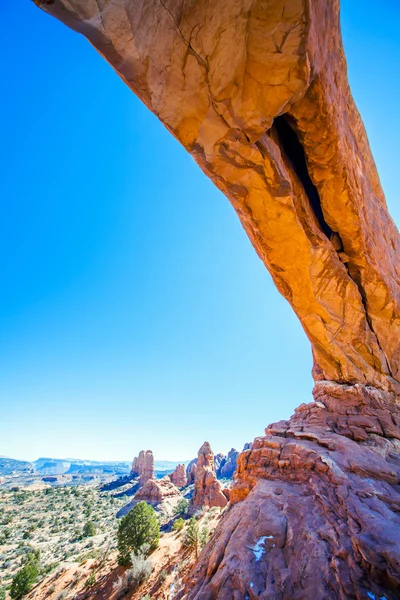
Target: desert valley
x=66 y=523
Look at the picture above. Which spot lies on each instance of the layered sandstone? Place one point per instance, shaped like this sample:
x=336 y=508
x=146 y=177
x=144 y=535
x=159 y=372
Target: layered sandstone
x=316 y=506
x=257 y=92
x=178 y=477
x=155 y=491
x=208 y=491
x=143 y=466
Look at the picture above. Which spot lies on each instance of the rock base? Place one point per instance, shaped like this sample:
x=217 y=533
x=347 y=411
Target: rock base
x=316 y=507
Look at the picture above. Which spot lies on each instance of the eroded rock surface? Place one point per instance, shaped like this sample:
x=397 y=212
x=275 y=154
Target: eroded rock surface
x=319 y=494
x=208 y=491
x=257 y=92
x=143 y=466
x=155 y=491
x=178 y=477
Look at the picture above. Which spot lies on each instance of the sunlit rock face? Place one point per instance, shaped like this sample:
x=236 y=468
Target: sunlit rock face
x=315 y=506
x=156 y=491
x=178 y=477
x=208 y=491
x=143 y=466
x=257 y=92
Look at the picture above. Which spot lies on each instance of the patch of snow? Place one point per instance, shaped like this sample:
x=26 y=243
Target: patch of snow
x=258 y=549
x=251 y=584
x=371 y=595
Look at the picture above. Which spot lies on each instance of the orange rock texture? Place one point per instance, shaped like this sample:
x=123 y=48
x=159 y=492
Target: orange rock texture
x=257 y=92
x=155 y=491
x=143 y=466
x=178 y=477
x=208 y=491
x=315 y=506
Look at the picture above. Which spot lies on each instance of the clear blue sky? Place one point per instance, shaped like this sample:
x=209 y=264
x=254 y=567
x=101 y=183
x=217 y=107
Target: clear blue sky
x=134 y=312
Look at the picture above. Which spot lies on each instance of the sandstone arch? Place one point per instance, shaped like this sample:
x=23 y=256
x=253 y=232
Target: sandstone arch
x=257 y=92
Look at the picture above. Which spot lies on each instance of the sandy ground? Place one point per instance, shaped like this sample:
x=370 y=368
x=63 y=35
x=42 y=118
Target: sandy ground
x=171 y=564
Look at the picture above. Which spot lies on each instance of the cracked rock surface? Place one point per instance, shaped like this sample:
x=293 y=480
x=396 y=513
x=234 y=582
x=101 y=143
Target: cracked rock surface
x=218 y=74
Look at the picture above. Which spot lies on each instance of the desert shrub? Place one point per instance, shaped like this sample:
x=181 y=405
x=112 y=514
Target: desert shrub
x=140 y=570
x=191 y=537
x=178 y=525
x=182 y=507
x=204 y=536
x=146 y=597
x=140 y=526
x=91 y=580
x=62 y=595
x=89 y=529
x=163 y=576
x=2 y=594
x=24 y=580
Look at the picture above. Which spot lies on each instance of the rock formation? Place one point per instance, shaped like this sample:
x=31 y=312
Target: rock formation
x=191 y=472
x=257 y=92
x=143 y=466
x=208 y=490
x=178 y=477
x=219 y=460
x=317 y=492
x=155 y=491
x=227 y=466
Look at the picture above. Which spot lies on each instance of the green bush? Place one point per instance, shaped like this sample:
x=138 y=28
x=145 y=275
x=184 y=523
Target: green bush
x=191 y=537
x=24 y=580
x=178 y=525
x=139 y=527
x=91 y=580
x=89 y=529
x=2 y=594
x=182 y=507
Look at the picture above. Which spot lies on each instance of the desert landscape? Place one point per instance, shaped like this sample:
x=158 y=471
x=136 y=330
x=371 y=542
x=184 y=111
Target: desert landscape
x=257 y=93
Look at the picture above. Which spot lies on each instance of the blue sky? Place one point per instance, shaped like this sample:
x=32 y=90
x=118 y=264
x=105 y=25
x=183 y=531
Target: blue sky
x=134 y=312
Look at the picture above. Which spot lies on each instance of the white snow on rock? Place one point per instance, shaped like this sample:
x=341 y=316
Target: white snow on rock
x=259 y=548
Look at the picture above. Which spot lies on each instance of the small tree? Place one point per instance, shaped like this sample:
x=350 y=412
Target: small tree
x=139 y=527
x=204 y=536
x=191 y=537
x=182 y=507
x=24 y=580
x=178 y=525
x=89 y=529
